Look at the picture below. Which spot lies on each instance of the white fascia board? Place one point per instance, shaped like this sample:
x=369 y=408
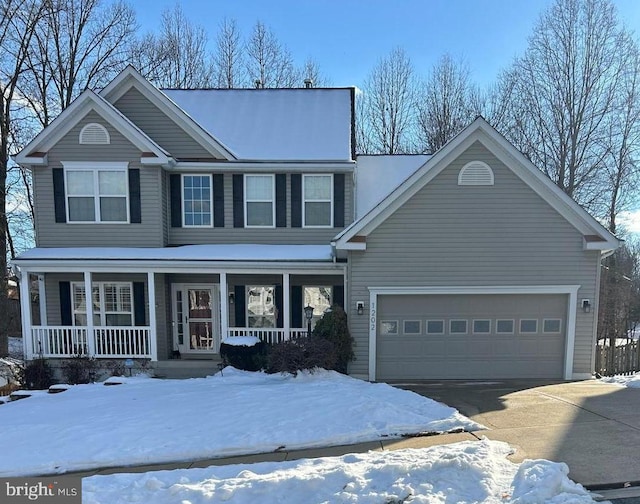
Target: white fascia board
x=32 y=160
x=473 y=289
x=118 y=87
x=267 y=166
x=353 y=246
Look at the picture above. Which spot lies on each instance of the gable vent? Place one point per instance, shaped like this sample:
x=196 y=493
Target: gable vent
x=475 y=173
x=94 y=134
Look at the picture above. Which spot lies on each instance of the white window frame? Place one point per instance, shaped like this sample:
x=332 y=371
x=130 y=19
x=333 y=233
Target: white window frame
x=389 y=333
x=459 y=333
x=544 y=321
x=305 y=200
x=513 y=326
x=249 y=288
x=435 y=320
x=272 y=200
x=182 y=200
x=473 y=326
x=528 y=320
x=102 y=299
x=96 y=167
x=317 y=315
x=404 y=327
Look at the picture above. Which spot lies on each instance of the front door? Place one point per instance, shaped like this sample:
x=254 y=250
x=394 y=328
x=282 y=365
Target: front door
x=195 y=324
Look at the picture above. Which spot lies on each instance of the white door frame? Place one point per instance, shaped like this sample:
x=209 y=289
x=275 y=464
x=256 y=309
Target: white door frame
x=215 y=315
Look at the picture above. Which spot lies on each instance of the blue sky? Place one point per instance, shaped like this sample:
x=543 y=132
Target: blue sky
x=347 y=37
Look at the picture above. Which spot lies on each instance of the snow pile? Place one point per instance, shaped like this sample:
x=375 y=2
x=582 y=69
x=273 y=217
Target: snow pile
x=146 y=421
x=15 y=348
x=462 y=472
x=632 y=381
x=241 y=341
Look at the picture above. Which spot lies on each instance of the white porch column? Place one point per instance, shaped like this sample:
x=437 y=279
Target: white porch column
x=224 y=306
x=88 y=301
x=153 y=336
x=42 y=297
x=286 y=309
x=25 y=315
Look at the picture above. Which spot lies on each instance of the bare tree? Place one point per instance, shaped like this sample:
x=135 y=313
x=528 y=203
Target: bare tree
x=447 y=103
x=389 y=101
x=268 y=62
x=311 y=71
x=565 y=87
x=228 y=58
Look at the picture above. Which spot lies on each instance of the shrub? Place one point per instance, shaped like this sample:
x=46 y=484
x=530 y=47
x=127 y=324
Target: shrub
x=245 y=357
x=37 y=375
x=79 y=369
x=303 y=353
x=333 y=327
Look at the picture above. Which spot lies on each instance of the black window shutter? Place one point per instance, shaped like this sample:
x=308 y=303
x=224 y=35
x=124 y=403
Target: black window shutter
x=280 y=308
x=58 y=195
x=135 y=208
x=218 y=200
x=139 y=313
x=281 y=200
x=296 y=200
x=175 y=188
x=66 y=317
x=338 y=200
x=238 y=201
x=239 y=303
x=296 y=306
x=338 y=295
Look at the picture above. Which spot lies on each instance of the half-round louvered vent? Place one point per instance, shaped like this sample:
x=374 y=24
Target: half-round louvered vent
x=94 y=133
x=475 y=173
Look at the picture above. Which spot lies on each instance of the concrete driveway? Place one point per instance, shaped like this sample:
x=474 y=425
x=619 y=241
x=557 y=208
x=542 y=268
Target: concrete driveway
x=593 y=427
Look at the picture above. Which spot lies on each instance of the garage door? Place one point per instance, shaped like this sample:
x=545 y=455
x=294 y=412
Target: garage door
x=470 y=336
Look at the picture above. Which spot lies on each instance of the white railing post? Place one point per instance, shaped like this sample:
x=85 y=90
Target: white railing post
x=88 y=300
x=153 y=337
x=286 y=314
x=224 y=306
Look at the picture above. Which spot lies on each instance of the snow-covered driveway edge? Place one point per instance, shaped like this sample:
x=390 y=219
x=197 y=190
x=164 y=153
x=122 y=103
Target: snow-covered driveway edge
x=471 y=471
x=631 y=381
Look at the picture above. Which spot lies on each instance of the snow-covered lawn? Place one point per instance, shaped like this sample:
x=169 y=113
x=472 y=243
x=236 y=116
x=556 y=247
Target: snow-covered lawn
x=632 y=381
x=463 y=472
x=148 y=421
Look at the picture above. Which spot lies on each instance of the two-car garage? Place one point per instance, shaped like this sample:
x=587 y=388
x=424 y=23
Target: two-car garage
x=470 y=335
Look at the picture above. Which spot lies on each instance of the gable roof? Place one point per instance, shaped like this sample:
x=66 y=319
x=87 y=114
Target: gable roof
x=275 y=124
x=130 y=77
x=35 y=151
x=596 y=236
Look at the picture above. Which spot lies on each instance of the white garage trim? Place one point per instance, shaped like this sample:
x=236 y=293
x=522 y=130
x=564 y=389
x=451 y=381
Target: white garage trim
x=570 y=290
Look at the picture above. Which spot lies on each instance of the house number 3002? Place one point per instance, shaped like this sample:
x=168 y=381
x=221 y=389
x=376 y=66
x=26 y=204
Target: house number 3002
x=372 y=318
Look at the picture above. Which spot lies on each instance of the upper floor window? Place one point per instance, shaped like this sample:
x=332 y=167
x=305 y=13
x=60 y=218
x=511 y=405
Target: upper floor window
x=259 y=200
x=96 y=192
x=94 y=134
x=197 y=198
x=317 y=197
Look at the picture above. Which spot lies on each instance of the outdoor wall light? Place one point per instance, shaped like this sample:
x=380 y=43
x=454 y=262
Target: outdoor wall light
x=360 y=307
x=232 y=298
x=308 y=314
x=586 y=305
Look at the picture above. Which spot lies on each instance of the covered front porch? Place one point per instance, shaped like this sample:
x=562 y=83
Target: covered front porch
x=164 y=309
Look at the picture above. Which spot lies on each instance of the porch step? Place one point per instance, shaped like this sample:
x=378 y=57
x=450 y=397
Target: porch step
x=186 y=368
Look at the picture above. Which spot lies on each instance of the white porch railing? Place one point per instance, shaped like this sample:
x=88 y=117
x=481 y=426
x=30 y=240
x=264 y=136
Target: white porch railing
x=107 y=342
x=268 y=335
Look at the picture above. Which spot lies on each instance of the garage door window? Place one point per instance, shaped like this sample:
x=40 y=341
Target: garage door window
x=504 y=326
x=551 y=326
x=412 y=327
x=388 y=327
x=458 y=327
x=435 y=326
x=481 y=326
x=528 y=326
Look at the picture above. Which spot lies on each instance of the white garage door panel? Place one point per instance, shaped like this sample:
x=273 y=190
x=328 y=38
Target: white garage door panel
x=469 y=356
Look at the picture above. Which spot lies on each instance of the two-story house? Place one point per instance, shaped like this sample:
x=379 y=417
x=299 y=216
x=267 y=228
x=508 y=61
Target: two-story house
x=196 y=215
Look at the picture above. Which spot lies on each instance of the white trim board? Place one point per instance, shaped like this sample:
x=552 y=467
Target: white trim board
x=572 y=305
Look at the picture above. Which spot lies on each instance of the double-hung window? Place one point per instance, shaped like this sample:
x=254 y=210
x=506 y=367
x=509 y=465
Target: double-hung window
x=319 y=298
x=197 y=200
x=96 y=191
x=259 y=200
x=112 y=304
x=317 y=197
x=261 y=307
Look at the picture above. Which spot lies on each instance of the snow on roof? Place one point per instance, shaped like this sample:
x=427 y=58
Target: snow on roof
x=378 y=176
x=219 y=252
x=274 y=124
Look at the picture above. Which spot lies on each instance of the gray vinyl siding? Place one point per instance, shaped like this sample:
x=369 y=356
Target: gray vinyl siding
x=286 y=235
x=450 y=235
x=158 y=126
x=52 y=234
